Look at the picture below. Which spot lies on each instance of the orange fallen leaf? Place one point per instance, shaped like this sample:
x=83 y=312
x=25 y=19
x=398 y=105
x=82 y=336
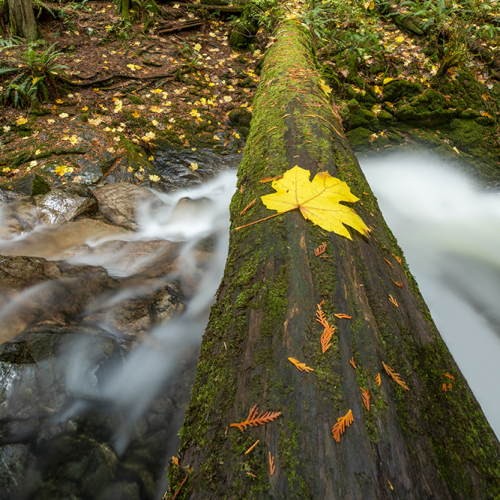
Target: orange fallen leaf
x=378 y=379
x=400 y=285
x=328 y=330
x=253 y=420
x=446 y=374
x=395 y=376
x=250 y=205
x=272 y=467
x=445 y=387
x=390 y=263
x=270 y=179
x=398 y=259
x=393 y=300
x=342 y=316
x=366 y=398
x=342 y=422
x=252 y=447
x=299 y=365
x=352 y=362
x=320 y=249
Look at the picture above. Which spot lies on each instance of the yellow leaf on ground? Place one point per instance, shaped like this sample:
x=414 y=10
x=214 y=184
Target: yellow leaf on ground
x=21 y=121
x=387 y=80
x=318 y=201
x=324 y=87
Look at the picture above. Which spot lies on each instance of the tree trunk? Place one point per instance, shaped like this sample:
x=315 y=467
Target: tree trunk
x=420 y=443
x=22 y=19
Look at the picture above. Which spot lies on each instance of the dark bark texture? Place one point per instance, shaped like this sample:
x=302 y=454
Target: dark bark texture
x=422 y=443
x=22 y=19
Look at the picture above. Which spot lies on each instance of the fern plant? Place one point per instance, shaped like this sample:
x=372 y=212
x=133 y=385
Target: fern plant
x=34 y=76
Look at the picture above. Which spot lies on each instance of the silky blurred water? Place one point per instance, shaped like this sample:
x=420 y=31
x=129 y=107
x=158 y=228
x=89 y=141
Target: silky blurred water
x=449 y=230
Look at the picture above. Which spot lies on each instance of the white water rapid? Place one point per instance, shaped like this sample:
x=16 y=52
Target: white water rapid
x=449 y=231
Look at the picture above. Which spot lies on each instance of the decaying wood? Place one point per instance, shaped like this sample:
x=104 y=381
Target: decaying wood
x=414 y=444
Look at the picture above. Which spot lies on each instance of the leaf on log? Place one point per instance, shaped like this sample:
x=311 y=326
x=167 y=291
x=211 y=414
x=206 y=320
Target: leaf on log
x=398 y=259
x=320 y=249
x=175 y=460
x=250 y=205
x=318 y=200
x=252 y=447
x=272 y=467
x=342 y=422
x=390 y=263
x=393 y=300
x=395 y=376
x=400 y=285
x=253 y=420
x=299 y=365
x=378 y=379
x=270 y=179
x=446 y=374
x=366 y=397
x=342 y=316
x=445 y=387
x=328 y=330
x=352 y=362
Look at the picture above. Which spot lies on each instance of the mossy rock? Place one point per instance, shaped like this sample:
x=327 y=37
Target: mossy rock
x=359 y=138
x=240 y=116
x=384 y=117
x=427 y=109
x=468 y=135
x=31 y=184
x=243 y=33
x=362 y=118
x=397 y=89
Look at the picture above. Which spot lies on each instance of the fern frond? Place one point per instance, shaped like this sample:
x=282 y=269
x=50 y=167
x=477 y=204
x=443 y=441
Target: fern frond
x=253 y=420
x=395 y=376
x=342 y=422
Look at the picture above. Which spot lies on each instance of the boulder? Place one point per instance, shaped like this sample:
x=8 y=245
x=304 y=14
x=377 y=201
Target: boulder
x=66 y=203
x=119 y=202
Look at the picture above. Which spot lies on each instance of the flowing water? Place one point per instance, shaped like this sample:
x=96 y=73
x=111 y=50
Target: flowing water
x=449 y=230
x=97 y=413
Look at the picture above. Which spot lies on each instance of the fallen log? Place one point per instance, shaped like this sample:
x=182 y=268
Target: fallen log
x=365 y=417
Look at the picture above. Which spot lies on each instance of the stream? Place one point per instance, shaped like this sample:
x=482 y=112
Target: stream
x=103 y=309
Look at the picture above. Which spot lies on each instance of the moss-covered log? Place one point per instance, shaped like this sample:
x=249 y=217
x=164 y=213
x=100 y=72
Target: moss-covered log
x=417 y=444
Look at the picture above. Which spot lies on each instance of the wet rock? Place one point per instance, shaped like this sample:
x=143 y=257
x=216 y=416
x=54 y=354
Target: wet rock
x=119 y=202
x=176 y=166
x=66 y=203
x=18 y=217
x=8 y=196
x=52 y=241
x=31 y=184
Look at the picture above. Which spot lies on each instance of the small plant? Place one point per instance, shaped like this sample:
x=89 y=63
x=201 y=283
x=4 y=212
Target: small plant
x=34 y=76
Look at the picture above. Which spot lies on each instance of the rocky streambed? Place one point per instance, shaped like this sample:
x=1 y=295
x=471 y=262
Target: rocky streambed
x=104 y=294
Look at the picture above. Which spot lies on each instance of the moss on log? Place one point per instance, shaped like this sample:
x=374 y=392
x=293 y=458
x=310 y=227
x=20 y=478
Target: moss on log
x=414 y=444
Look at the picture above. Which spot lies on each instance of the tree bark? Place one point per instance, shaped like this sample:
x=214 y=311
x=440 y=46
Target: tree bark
x=22 y=19
x=420 y=443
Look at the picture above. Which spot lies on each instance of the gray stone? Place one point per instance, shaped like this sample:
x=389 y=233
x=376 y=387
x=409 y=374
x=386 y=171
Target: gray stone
x=66 y=203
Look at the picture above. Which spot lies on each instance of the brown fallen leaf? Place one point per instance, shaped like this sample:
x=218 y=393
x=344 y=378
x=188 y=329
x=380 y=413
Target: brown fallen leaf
x=320 y=249
x=253 y=420
x=299 y=365
x=366 y=397
x=342 y=316
x=272 y=467
x=395 y=376
x=342 y=422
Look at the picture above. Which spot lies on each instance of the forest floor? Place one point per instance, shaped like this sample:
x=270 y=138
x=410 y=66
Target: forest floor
x=122 y=93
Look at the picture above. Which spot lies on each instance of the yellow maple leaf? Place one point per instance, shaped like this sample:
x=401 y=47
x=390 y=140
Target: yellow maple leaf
x=387 y=80
x=324 y=87
x=21 y=121
x=318 y=200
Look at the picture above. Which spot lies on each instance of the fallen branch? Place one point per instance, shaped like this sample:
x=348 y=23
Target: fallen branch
x=107 y=79
x=179 y=27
